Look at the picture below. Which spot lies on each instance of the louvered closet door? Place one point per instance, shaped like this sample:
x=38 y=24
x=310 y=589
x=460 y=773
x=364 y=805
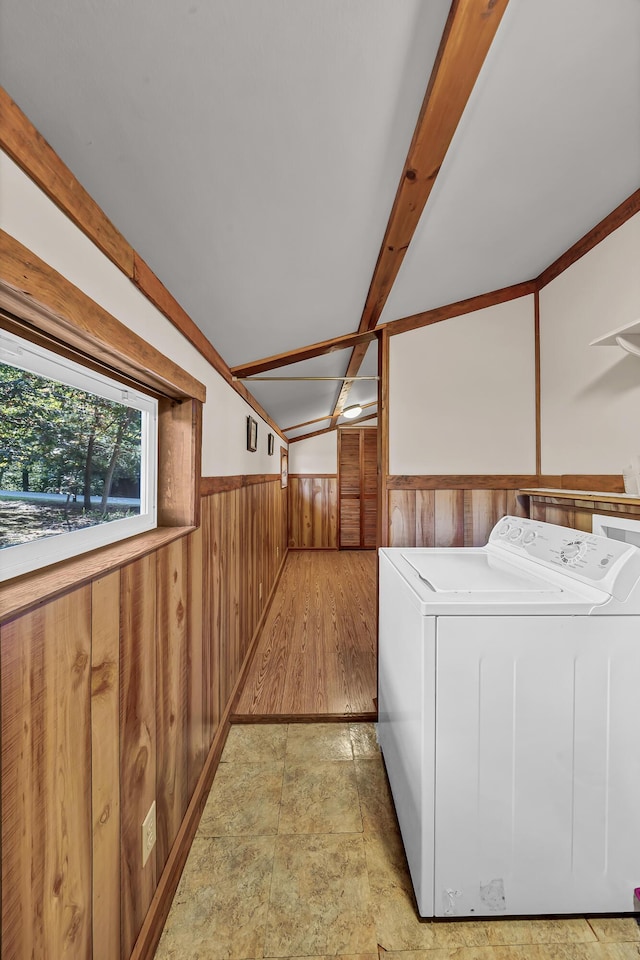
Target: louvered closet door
x=358 y=457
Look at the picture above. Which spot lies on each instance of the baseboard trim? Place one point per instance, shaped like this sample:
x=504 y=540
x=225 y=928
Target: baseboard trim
x=365 y=717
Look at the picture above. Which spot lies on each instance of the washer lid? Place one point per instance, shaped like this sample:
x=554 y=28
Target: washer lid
x=464 y=572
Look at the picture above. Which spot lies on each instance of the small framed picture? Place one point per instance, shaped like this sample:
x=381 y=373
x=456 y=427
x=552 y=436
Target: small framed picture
x=284 y=467
x=270 y=444
x=252 y=434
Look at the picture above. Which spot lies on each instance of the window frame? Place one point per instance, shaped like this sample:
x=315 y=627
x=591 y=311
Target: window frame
x=34 y=358
x=43 y=306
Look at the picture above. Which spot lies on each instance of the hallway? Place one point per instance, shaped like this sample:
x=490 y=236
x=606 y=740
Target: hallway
x=316 y=656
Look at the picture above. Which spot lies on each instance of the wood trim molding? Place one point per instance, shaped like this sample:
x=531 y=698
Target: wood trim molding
x=383 y=440
x=335 y=426
x=313 y=476
x=355 y=362
x=307 y=423
x=41 y=586
x=211 y=485
x=588 y=482
x=537 y=367
x=303 y=353
x=468 y=34
x=30 y=151
x=155 y=291
x=468 y=482
x=26 y=147
x=461 y=307
x=154 y=921
x=31 y=289
x=627 y=209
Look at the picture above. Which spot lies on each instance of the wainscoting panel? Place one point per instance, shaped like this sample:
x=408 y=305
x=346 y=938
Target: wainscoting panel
x=447 y=517
x=313 y=511
x=111 y=698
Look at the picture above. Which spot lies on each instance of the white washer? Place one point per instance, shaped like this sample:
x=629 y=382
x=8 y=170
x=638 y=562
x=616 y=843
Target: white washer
x=509 y=677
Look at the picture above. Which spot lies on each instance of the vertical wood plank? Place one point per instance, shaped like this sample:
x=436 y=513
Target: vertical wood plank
x=46 y=781
x=402 y=518
x=425 y=518
x=582 y=520
x=137 y=740
x=218 y=613
x=449 y=518
x=195 y=662
x=105 y=765
x=483 y=508
x=171 y=695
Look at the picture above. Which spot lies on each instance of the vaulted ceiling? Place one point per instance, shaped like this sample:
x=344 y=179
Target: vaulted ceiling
x=297 y=170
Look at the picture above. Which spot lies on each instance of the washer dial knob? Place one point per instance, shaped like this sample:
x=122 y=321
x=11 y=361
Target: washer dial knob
x=573 y=551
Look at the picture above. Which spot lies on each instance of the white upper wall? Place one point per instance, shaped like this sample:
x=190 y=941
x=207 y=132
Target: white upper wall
x=462 y=394
x=27 y=214
x=315 y=455
x=591 y=395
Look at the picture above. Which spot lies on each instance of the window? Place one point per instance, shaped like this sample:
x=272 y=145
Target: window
x=78 y=458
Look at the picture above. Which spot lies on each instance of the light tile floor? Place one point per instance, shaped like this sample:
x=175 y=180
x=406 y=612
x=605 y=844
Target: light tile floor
x=298 y=855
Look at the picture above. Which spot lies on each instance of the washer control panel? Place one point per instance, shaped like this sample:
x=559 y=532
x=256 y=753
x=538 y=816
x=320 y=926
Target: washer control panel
x=590 y=556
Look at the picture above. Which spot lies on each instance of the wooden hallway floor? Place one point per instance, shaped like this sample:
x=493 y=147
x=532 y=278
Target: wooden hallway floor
x=316 y=655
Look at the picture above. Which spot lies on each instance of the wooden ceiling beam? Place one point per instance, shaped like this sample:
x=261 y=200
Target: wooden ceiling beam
x=327 y=416
x=468 y=34
x=303 y=353
x=318 y=433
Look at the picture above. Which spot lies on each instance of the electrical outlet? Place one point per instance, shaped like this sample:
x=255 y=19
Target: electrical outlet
x=148 y=833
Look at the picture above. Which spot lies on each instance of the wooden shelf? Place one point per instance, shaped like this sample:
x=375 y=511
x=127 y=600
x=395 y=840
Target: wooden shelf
x=592 y=496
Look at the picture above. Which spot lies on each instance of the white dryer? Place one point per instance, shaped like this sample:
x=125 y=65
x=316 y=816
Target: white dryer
x=509 y=677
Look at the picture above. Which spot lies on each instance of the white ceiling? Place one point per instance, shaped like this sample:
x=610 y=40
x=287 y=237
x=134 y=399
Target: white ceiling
x=251 y=150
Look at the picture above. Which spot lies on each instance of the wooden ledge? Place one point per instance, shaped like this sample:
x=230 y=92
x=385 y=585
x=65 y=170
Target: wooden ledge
x=33 y=589
x=552 y=494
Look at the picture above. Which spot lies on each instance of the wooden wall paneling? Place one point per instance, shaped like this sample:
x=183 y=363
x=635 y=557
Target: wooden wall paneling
x=425 y=518
x=563 y=515
x=402 y=518
x=514 y=505
x=171 y=695
x=46 y=781
x=105 y=764
x=229 y=595
x=449 y=518
x=537 y=511
x=313 y=506
x=179 y=465
x=582 y=520
x=138 y=705
x=209 y=633
x=482 y=508
x=214 y=593
x=196 y=751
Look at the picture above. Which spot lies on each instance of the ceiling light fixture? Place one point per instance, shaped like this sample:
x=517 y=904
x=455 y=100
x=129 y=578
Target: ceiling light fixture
x=353 y=411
